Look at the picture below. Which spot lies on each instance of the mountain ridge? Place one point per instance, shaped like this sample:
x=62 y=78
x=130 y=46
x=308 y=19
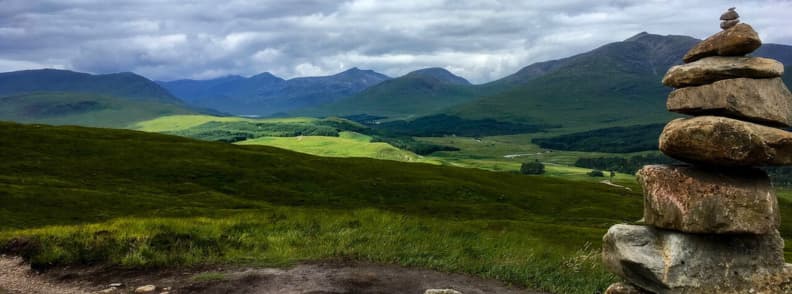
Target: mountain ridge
x=418 y=92
x=121 y=85
x=267 y=94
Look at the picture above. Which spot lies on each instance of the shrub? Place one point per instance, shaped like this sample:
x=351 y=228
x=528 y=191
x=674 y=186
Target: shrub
x=532 y=168
x=596 y=173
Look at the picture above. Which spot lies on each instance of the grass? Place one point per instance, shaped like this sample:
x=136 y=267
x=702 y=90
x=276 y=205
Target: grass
x=182 y=122
x=71 y=195
x=347 y=144
x=80 y=195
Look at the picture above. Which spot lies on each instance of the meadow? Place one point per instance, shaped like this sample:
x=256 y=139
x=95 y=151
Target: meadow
x=74 y=195
x=81 y=196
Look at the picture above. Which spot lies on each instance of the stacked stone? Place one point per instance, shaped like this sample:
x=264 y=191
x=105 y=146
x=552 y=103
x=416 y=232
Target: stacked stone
x=712 y=226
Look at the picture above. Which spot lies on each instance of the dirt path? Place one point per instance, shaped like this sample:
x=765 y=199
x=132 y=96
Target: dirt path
x=16 y=277
x=318 y=277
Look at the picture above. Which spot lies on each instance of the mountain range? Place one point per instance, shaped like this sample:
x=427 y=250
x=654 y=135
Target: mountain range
x=417 y=93
x=616 y=84
x=267 y=94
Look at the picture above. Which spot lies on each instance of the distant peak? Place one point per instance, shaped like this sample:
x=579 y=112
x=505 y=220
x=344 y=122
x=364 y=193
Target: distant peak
x=637 y=36
x=439 y=73
x=265 y=75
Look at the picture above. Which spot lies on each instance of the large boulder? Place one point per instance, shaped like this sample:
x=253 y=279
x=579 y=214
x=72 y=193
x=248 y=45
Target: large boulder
x=696 y=200
x=716 y=68
x=671 y=262
x=738 y=40
x=720 y=141
x=764 y=101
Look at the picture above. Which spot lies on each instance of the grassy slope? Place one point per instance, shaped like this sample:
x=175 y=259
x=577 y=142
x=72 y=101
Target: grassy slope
x=348 y=144
x=82 y=109
x=279 y=206
x=182 y=122
x=576 y=99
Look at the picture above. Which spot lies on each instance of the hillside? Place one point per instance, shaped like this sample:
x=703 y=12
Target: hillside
x=121 y=85
x=614 y=85
x=183 y=202
x=83 y=109
x=416 y=93
x=266 y=94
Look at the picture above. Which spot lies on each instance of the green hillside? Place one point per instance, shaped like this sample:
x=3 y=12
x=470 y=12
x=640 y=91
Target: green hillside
x=165 y=200
x=83 y=109
x=121 y=85
x=616 y=84
x=417 y=93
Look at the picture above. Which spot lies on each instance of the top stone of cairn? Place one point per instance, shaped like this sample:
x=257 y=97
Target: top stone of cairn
x=736 y=39
x=729 y=19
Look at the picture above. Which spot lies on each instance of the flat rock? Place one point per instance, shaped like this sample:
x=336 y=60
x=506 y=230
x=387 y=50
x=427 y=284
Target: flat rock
x=663 y=261
x=442 y=291
x=716 y=68
x=738 y=40
x=763 y=101
x=721 y=141
x=727 y=24
x=730 y=14
x=146 y=289
x=624 y=288
x=696 y=200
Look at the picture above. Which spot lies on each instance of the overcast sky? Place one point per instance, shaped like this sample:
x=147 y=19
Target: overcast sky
x=479 y=40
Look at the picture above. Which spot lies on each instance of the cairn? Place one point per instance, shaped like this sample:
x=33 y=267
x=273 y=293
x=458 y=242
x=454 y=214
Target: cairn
x=711 y=226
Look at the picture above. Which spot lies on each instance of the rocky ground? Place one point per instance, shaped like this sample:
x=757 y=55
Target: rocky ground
x=317 y=277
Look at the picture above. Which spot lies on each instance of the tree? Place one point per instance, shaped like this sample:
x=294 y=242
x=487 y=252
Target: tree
x=532 y=168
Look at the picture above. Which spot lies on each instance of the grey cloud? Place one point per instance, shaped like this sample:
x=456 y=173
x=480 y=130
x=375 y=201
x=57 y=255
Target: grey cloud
x=481 y=40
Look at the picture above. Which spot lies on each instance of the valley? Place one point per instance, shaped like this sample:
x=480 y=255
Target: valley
x=420 y=172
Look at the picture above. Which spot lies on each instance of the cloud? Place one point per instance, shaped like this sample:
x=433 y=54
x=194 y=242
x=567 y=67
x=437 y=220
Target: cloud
x=481 y=40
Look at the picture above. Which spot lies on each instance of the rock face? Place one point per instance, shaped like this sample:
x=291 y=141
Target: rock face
x=763 y=101
x=720 y=141
x=696 y=200
x=738 y=40
x=670 y=262
x=716 y=68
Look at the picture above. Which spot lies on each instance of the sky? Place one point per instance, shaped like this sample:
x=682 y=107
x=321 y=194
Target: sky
x=481 y=40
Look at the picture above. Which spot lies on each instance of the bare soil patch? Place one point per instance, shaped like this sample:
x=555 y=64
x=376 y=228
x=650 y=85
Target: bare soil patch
x=314 y=277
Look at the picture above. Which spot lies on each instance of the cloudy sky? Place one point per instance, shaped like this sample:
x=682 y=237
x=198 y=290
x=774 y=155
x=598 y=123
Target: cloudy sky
x=479 y=39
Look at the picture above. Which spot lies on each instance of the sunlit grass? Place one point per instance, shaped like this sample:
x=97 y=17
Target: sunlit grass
x=182 y=122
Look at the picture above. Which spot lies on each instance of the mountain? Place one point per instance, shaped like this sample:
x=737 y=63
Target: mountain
x=616 y=84
x=266 y=94
x=86 y=109
x=419 y=92
x=120 y=85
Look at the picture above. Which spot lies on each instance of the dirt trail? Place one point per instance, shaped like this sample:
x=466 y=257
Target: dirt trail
x=317 y=277
x=16 y=277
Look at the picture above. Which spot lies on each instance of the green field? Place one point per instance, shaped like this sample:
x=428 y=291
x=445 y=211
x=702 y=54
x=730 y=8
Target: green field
x=73 y=195
x=348 y=144
x=83 y=196
x=489 y=153
x=182 y=122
